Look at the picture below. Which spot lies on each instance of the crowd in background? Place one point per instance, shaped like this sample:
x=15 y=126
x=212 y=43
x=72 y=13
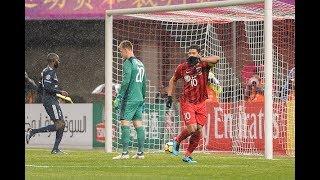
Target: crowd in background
x=253 y=90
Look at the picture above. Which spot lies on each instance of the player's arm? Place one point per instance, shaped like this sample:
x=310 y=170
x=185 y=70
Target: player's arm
x=211 y=60
x=144 y=84
x=126 y=76
x=172 y=85
x=171 y=88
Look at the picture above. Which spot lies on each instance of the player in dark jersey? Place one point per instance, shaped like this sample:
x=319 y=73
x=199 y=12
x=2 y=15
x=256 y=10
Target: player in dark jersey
x=194 y=73
x=50 y=102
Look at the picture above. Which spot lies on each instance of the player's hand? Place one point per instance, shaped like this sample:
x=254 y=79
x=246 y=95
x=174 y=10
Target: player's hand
x=64 y=93
x=169 y=102
x=193 y=60
x=116 y=103
x=199 y=56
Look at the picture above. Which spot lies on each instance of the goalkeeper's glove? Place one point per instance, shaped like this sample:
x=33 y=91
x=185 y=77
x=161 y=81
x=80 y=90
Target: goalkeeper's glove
x=169 y=102
x=216 y=88
x=116 y=103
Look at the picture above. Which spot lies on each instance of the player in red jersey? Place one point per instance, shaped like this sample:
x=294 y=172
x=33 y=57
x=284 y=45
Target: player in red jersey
x=194 y=73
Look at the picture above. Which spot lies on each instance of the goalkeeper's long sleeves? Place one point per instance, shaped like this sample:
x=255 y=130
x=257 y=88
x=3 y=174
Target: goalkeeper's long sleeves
x=126 y=77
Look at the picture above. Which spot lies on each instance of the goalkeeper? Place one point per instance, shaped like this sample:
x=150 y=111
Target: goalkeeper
x=130 y=99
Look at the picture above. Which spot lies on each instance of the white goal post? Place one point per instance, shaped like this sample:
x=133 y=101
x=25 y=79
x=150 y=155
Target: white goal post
x=268 y=66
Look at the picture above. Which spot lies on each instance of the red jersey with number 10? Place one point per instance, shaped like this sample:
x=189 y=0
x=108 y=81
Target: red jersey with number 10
x=195 y=80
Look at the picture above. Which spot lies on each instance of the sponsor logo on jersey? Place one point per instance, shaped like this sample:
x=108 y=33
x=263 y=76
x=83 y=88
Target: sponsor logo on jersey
x=55 y=77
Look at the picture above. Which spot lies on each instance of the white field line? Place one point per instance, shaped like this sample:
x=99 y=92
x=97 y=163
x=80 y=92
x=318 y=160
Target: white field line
x=137 y=166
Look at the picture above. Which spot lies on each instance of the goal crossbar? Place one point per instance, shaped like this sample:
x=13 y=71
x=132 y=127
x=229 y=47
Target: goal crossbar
x=181 y=7
x=267 y=50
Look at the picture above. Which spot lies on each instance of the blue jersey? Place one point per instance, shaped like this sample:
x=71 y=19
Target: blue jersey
x=49 y=82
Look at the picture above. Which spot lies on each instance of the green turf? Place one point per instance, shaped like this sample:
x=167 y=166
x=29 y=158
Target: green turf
x=96 y=164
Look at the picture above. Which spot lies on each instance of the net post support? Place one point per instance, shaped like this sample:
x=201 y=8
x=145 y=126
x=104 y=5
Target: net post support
x=108 y=83
x=268 y=69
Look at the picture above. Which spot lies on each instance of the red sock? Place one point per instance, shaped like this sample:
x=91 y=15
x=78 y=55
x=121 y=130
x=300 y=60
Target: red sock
x=182 y=136
x=193 y=142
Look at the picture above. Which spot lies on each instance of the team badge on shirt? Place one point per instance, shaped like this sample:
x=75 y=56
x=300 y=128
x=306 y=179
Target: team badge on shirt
x=187 y=78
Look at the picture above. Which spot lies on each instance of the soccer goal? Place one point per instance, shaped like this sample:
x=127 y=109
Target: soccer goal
x=253 y=112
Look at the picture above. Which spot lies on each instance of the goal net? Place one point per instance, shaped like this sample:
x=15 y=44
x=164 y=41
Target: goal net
x=235 y=107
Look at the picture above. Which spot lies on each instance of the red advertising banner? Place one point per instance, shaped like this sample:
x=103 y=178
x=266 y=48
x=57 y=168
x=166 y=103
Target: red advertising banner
x=243 y=130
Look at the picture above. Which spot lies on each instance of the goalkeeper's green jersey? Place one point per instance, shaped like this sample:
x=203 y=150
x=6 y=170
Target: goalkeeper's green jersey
x=133 y=86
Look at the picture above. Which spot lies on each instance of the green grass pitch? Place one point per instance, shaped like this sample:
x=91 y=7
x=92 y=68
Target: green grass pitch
x=96 y=164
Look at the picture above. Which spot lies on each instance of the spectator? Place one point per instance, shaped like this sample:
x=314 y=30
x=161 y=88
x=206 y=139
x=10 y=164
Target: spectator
x=248 y=71
x=254 y=89
x=287 y=90
x=30 y=90
x=214 y=88
x=100 y=90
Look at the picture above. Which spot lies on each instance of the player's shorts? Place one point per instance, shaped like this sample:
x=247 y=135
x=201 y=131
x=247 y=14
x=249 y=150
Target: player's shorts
x=131 y=110
x=53 y=110
x=194 y=113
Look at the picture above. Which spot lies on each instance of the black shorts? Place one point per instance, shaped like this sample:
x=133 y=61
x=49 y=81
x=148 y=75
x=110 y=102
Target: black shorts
x=53 y=110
